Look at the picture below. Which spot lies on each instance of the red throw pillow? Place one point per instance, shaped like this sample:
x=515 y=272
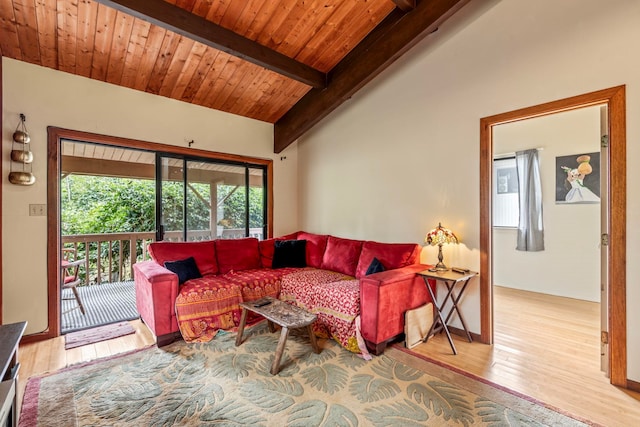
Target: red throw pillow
x=342 y=255
x=203 y=252
x=237 y=254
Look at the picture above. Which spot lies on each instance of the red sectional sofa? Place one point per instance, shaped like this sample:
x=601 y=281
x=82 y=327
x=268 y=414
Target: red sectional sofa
x=358 y=310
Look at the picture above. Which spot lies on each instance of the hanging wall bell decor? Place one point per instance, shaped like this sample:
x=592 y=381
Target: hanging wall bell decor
x=21 y=156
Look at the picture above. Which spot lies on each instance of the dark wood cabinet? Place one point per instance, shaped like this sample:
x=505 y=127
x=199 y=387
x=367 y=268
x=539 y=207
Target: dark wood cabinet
x=10 y=336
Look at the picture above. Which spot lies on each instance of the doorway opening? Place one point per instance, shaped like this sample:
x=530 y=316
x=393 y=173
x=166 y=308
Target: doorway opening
x=107 y=220
x=555 y=288
x=615 y=231
x=109 y=198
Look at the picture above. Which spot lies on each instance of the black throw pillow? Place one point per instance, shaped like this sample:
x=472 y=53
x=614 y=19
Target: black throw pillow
x=289 y=253
x=186 y=269
x=375 y=267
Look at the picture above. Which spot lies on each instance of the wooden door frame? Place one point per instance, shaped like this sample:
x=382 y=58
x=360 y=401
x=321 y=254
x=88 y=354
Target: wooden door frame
x=55 y=136
x=615 y=99
x=1 y=133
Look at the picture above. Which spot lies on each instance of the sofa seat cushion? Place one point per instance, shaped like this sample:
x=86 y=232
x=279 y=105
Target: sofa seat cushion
x=211 y=303
x=204 y=254
x=390 y=255
x=255 y=284
x=297 y=286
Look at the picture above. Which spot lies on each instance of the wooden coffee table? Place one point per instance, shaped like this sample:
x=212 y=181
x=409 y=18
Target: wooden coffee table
x=286 y=316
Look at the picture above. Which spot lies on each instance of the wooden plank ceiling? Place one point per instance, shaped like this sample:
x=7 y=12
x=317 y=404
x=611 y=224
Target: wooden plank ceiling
x=287 y=62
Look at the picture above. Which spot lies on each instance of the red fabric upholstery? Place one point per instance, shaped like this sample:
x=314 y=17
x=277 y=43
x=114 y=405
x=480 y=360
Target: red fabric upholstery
x=342 y=255
x=203 y=252
x=266 y=248
x=156 y=292
x=213 y=302
x=237 y=254
x=291 y=236
x=386 y=296
x=316 y=245
x=391 y=255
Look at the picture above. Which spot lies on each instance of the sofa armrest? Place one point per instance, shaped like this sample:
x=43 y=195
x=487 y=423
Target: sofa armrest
x=385 y=297
x=156 y=293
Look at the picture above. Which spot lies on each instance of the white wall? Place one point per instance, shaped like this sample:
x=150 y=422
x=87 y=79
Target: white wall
x=53 y=98
x=403 y=154
x=570 y=264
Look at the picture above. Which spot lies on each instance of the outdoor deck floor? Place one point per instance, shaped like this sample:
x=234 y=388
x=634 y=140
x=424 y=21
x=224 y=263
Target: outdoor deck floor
x=105 y=303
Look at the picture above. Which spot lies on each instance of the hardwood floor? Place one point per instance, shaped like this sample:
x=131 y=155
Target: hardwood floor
x=546 y=348
x=50 y=355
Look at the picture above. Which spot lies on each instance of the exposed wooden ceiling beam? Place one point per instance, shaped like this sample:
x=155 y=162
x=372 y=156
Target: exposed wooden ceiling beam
x=393 y=37
x=181 y=21
x=405 y=5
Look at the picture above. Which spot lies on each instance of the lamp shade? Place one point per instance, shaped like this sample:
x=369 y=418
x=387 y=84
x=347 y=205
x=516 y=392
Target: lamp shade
x=440 y=236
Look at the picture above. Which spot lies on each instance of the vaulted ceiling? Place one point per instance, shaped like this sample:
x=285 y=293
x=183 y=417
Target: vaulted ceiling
x=287 y=62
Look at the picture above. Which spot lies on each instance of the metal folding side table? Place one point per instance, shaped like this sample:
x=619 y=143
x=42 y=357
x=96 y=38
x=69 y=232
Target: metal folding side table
x=450 y=279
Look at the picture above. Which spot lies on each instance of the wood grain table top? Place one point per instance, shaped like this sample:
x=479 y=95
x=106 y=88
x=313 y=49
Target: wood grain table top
x=281 y=313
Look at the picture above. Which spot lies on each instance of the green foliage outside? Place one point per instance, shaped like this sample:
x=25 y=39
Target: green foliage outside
x=99 y=205
x=102 y=205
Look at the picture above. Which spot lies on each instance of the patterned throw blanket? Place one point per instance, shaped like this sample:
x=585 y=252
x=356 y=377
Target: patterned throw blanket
x=211 y=303
x=334 y=298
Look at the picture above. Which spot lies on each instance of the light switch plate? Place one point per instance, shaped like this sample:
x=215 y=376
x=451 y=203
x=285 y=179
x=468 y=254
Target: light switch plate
x=37 y=210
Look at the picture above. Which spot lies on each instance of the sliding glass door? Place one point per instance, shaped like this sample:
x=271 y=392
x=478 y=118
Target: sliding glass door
x=201 y=199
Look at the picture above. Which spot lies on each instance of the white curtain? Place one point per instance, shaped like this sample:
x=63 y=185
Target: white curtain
x=530 y=229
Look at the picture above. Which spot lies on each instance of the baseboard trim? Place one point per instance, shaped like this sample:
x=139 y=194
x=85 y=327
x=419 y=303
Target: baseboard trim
x=38 y=336
x=462 y=333
x=633 y=385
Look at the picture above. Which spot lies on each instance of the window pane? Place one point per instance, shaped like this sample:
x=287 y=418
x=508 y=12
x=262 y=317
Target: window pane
x=172 y=199
x=231 y=202
x=257 y=208
x=505 y=193
x=201 y=182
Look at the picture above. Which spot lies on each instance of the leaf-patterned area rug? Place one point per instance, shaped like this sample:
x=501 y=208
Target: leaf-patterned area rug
x=219 y=384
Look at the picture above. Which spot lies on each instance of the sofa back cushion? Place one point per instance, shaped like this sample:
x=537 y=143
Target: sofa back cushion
x=316 y=245
x=237 y=254
x=204 y=254
x=266 y=248
x=290 y=236
x=342 y=255
x=391 y=255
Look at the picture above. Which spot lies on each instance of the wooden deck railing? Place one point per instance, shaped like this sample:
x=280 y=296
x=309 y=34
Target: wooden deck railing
x=110 y=258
